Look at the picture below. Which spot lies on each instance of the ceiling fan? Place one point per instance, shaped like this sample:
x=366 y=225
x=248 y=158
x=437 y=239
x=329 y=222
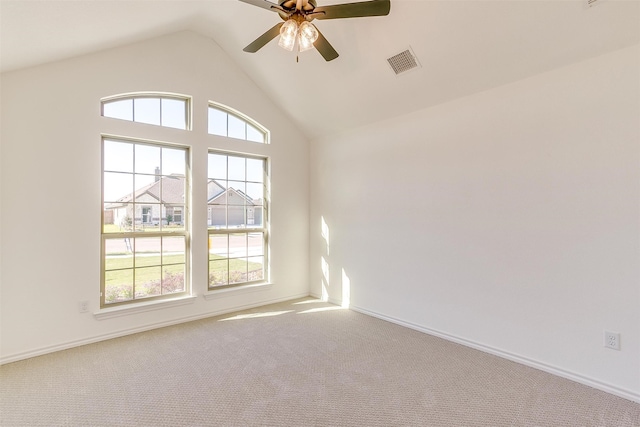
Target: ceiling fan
x=297 y=27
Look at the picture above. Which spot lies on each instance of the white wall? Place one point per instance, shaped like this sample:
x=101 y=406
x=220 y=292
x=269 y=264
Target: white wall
x=51 y=174
x=507 y=220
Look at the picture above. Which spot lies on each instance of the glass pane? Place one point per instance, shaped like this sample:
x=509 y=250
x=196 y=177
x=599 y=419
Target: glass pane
x=237 y=127
x=147 y=188
x=122 y=109
x=174 y=114
x=148 y=281
x=112 y=216
x=172 y=279
x=255 y=170
x=117 y=186
x=147 y=217
x=217 y=122
x=236 y=216
x=118 y=217
x=118 y=254
x=173 y=250
x=255 y=244
x=171 y=190
x=237 y=193
x=236 y=168
x=253 y=134
x=217 y=166
x=147 y=251
x=237 y=270
x=254 y=216
x=218 y=246
x=218 y=273
x=118 y=286
x=255 y=193
x=256 y=269
x=173 y=161
x=173 y=218
x=147 y=110
x=238 y=245
x=217 y=216
x=118 y=156
x=147 y=159
x=215 y=192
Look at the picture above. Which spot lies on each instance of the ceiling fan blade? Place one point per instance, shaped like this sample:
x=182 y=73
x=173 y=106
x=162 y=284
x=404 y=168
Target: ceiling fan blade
x=324 y=47
x=353 y=10
x=264 y=4
x=258 y=43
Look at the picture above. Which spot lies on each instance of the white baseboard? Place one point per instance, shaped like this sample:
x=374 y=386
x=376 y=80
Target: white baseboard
x=77 y=343
x=599 y=385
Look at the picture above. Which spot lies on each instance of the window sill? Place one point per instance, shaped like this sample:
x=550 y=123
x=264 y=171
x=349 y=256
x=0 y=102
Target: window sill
x=227 y=292
x=108 y=313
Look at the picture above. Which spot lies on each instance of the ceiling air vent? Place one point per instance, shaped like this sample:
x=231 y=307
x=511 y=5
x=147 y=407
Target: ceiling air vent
x=591 y=3
x=403 y=61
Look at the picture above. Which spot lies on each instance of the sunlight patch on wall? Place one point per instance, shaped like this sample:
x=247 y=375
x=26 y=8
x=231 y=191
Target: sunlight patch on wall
x=346 y=290
x=325 y=280
x=325 y=233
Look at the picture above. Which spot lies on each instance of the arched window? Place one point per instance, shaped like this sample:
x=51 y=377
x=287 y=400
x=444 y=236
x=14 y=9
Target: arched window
x=168 y=110
x=225 y=121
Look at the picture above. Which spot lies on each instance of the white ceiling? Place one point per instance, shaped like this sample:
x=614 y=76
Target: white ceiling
x=463 y=46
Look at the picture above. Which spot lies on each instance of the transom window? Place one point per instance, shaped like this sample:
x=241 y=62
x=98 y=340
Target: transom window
x=144 y=236
x=237 y=212
x=224 y=121
x=168 y=111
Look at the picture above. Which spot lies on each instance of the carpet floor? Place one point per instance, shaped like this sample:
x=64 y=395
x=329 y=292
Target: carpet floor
x=297 y=363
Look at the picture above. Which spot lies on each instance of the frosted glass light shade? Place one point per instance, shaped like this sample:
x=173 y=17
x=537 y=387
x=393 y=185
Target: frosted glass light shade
x=288 y=33
x=307 y=35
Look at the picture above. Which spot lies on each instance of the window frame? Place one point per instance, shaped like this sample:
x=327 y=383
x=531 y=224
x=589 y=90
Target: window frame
x=264 y=228
x=185 y=232
x=159 y=95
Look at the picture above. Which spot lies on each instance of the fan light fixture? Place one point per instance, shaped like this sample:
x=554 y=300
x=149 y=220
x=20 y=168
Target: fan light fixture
x=297 y=28
x=305 y=34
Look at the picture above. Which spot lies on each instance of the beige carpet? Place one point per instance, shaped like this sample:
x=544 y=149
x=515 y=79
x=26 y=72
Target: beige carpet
x=300 y=363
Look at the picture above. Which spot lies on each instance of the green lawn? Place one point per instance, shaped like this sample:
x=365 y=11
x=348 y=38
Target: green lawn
x=119 y=275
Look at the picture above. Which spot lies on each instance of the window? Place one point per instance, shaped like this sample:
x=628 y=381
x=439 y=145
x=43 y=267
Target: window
x=168 y=111
x=237 y=212
x=144 y=248
x=224 y=121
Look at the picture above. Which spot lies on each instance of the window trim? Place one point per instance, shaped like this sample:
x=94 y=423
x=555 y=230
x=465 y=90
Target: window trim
x=265 y=228
x=161 y=95
x=186 y=232
x=241 y=116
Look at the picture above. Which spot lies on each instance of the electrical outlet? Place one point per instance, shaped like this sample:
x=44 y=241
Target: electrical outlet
x=612 y=340
x=83 y=306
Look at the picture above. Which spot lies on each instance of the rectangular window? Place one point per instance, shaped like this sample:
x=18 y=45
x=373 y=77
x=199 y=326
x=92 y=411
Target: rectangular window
x=144 y=249
x=237 y=212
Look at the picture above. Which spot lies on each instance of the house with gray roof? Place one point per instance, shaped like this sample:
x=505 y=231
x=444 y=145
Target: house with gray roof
x=163 y=202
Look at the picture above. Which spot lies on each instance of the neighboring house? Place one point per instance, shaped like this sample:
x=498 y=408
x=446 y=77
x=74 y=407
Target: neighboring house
x=161 y=200
x=164 y=200
x=238 y=206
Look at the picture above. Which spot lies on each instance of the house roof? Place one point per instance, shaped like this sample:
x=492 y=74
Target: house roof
x=167 y=190
x=464 y=47
x=170 y=190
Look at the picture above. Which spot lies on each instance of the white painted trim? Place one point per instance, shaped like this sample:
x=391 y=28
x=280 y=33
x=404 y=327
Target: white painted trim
x=227 y=292
x=77 y=343
x=127 y=310
x=591 y=382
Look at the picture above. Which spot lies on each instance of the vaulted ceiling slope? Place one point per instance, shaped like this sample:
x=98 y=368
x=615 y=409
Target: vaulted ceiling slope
x=463 y=47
